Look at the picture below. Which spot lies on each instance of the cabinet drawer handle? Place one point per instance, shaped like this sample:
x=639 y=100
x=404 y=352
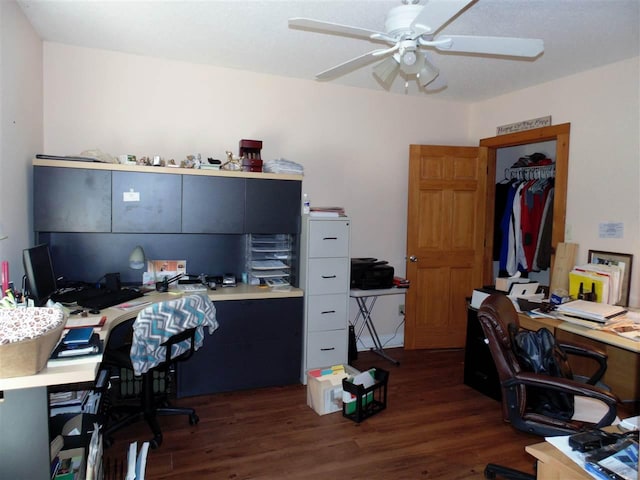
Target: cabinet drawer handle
x=329 y=276
x=327 y=311
x=330 y=238
x=327 y=349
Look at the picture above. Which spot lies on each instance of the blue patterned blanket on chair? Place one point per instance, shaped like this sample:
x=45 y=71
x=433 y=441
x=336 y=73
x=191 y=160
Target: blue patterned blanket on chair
x=160 y=321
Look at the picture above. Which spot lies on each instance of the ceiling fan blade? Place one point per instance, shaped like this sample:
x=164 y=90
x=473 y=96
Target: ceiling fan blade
x=514 y=47
x=435 y=14
x=336 y=28
x=350 y=65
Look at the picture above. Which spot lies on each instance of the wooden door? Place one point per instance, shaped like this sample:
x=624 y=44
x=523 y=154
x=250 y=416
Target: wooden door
x=445 y=229
x=445 y=241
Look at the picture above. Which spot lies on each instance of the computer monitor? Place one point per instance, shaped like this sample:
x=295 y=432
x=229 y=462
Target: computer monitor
x=41 y=279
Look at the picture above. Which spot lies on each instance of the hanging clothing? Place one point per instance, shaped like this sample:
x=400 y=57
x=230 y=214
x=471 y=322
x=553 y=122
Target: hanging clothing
x=523 y=233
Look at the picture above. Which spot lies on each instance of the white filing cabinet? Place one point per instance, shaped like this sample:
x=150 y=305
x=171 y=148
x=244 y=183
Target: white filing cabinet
x=325 y=269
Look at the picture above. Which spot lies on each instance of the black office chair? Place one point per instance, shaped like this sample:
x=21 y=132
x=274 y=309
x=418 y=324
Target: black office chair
x=149 y=346
x=495 y=315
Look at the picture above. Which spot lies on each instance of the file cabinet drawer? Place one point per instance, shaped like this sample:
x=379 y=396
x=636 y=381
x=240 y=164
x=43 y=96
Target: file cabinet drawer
x=329 y=239
x=326 y=348
x=329 y=275
x=326 y=312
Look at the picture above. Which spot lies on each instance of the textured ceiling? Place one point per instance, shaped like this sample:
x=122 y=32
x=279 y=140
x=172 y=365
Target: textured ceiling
x=254 y=35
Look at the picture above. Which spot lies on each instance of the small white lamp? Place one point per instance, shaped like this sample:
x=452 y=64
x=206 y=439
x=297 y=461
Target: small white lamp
x=137 y=259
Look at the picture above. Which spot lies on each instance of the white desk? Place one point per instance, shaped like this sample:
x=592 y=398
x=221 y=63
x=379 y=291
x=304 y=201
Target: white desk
x=366 y=300
x=24 y=408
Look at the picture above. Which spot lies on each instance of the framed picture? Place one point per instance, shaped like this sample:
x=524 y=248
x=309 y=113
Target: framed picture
x=622 y=260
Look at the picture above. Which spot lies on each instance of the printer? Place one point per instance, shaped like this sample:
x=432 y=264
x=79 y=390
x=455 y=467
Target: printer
x=371 y=273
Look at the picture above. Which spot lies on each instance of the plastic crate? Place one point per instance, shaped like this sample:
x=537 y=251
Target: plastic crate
x=368 y=400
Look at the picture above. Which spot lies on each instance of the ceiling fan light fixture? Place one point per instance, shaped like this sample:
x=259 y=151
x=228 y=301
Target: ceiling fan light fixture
x=386 y=71
x=427 y=74
x=409 y=58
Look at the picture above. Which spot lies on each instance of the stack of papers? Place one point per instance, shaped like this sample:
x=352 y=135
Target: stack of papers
x=280 y=165
x=605 y=279
x=598 y=312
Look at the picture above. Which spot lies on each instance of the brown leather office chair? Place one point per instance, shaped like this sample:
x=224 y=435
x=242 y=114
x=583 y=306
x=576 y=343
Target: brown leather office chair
x=149 y=346
x=495 y=315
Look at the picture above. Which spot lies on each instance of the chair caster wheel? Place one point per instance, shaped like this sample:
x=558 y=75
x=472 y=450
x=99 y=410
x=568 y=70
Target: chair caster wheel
x=193 y=419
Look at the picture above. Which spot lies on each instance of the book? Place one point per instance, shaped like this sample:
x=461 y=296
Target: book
x=78 y=336
x=93 y=347
x=619 y=461
x=326 y=212
x=82 y=322
x=141 y=461
x=131 y=461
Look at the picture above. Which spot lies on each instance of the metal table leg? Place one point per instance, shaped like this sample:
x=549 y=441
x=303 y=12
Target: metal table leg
x=365 y=311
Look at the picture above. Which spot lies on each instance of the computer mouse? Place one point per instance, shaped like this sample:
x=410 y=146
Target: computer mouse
x=94 y=311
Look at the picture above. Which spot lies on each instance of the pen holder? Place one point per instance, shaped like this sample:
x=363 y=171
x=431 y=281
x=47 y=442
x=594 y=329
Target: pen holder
x=162 y=286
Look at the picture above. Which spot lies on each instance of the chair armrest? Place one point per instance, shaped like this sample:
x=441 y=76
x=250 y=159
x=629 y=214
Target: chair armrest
x=569 y=386
x=600 y=356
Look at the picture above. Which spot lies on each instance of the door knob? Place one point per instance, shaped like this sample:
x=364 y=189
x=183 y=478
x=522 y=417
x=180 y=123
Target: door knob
x=413 y=258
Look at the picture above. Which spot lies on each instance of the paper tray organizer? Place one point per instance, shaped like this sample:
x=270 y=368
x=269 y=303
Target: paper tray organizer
x=368 y=400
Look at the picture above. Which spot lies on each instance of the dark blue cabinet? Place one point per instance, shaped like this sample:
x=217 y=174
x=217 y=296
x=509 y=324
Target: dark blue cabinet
x=146 y=202
x=71 y=200
x=258 y=344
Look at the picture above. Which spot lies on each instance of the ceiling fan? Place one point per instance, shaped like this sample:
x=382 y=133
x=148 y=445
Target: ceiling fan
x=410 y=30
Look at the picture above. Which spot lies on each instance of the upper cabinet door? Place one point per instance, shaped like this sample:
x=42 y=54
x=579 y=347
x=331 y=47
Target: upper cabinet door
x=272 y=206
x=71 y=200
x=212 y=204
x=146 y=202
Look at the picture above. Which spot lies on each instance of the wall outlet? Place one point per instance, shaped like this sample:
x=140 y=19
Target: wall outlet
x=401 y=309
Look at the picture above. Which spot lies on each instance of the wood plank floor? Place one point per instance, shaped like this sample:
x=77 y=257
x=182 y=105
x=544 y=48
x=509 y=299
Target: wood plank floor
x=434 y=427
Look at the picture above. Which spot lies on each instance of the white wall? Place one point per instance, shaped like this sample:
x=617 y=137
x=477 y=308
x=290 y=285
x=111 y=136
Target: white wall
x=20 y=131
x=354 y=144
x=603 y=108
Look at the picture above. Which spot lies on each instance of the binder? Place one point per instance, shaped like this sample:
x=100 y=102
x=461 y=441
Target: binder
x=589 y=279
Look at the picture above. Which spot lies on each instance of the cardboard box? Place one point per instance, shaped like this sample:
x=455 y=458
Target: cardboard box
x=324 y=388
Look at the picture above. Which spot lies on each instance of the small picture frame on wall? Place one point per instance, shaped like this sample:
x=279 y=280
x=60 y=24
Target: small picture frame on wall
x=622 y=260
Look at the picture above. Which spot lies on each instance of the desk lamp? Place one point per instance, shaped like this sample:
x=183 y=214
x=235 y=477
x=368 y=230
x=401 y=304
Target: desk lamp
x=137 y=259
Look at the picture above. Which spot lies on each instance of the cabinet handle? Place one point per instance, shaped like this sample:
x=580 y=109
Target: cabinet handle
x=329 y=276
x=327 y=311
x=330 y=238
x=327 y=349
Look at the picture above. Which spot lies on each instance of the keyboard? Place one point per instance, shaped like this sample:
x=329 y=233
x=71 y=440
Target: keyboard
x=110 y=299
x=76 y=294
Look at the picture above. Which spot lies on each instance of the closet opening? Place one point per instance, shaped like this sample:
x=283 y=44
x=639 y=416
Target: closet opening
x=503 y=166
x=523 y=211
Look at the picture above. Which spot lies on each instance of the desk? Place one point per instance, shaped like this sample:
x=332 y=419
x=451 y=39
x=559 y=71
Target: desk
x=554 y=465
x=623 y=371
x=24 y=409
x=366 y=299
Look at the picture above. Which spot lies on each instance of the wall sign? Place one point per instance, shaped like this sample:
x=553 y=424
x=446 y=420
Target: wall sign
x=611 y=230
x=524 y=125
